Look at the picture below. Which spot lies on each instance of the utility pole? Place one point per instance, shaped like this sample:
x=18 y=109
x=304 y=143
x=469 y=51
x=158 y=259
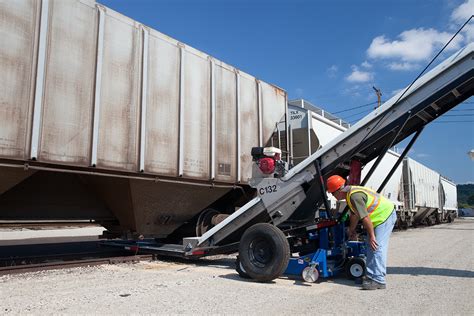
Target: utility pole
x=379 y=96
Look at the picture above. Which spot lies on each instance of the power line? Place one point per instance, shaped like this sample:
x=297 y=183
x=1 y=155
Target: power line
x=465 y=121
x=355 y=114
x=356 y=107
x=375 y=102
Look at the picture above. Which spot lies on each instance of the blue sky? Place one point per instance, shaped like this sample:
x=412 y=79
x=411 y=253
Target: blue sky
x=331 y=53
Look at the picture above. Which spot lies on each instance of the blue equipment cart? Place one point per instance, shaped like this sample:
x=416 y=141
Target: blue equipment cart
x=334 y=255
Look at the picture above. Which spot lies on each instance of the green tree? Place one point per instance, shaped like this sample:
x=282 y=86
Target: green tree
x=470 y=200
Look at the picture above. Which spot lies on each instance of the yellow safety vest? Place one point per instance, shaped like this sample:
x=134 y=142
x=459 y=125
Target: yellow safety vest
x=378 y=207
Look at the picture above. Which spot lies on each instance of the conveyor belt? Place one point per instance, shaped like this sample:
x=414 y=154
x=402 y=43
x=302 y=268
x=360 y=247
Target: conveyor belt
x=297 y=195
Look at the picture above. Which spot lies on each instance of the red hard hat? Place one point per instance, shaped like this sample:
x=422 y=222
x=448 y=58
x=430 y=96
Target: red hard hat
x=334 y=183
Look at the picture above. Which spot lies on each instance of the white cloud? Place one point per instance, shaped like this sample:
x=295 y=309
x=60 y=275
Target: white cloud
x=412 y=46
x=460 y=15
x=358 y=75
x=332 y=71
x=405 y=66
x=463 y=12
x=469 y=32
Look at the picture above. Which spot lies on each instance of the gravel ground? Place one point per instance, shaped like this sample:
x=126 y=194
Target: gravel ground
x=431 y=271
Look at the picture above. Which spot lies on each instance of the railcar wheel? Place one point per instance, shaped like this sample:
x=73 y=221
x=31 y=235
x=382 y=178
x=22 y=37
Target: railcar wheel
x=355 y=268
x=264 y=252
x=406 y=224
x=208 y=219
x=429 y=222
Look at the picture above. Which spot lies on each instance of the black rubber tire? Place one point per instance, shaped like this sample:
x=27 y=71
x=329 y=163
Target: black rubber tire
x=355 y=262
x=264 y=252
x=240 y=269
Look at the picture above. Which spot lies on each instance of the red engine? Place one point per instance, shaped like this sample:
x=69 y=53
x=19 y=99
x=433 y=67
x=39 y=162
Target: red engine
x=266 y=158
x=266 y=165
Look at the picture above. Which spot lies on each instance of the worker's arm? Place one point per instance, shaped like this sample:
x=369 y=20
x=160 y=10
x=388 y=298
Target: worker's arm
x=367 y=223
x=353 y=220
x=358 y=200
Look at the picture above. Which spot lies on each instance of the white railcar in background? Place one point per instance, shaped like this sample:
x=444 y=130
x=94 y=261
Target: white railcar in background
x=449 y=199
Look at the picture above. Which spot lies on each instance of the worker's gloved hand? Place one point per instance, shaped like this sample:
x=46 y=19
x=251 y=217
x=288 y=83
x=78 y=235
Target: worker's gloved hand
x=373 y=243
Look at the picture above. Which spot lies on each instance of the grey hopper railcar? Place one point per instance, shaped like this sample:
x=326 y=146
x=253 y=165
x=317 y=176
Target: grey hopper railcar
x=110 y=120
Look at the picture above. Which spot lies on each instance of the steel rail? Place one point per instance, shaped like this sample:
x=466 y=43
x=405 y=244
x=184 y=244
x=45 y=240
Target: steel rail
x=14 y=269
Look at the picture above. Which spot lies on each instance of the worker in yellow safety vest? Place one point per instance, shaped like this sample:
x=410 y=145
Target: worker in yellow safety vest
x=378 y=217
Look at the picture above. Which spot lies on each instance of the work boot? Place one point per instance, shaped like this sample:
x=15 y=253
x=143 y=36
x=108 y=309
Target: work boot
x=369 y=284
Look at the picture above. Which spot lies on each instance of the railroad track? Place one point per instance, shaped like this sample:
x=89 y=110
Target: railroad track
x=64 y=264
x=61 y=255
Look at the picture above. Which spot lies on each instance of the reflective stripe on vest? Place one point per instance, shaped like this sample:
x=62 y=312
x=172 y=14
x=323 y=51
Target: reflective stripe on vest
x=378 y=206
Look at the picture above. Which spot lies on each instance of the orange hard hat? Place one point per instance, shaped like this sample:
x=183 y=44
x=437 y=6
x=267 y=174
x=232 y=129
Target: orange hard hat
x=334 y=183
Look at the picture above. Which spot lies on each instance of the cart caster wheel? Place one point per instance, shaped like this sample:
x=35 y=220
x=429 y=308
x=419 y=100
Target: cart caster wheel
x=310 y=274
x=355 y=268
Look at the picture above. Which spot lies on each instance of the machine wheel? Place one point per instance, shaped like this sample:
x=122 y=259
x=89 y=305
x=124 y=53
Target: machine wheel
x=310 y=274
x=264 y=252
x=355 y=268
x=240 y=269
x=450 y=218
